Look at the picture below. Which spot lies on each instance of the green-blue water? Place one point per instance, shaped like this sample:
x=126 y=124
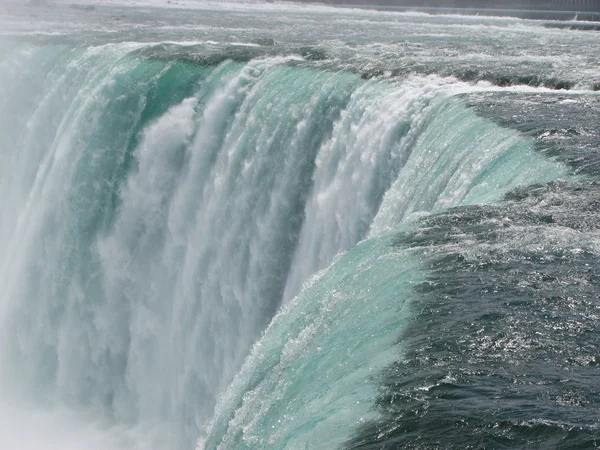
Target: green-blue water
x=265 y=226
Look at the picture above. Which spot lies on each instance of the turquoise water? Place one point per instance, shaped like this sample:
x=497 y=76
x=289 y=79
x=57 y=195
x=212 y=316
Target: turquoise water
x=227 y=243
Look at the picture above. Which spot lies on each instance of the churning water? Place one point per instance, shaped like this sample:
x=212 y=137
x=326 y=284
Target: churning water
x=269 y=226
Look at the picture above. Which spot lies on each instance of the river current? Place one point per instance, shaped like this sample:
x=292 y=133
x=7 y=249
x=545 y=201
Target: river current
x=232 y=225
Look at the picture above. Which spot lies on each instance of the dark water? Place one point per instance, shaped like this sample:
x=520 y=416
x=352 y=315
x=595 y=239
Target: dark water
x=502 y=352
x=503 y=348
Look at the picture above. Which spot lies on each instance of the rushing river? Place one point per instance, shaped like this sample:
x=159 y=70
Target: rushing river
x=283 y=226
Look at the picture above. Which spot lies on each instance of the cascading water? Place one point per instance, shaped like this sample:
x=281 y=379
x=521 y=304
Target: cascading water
x=194 y=245
x=156 y=217
x=316 y=368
